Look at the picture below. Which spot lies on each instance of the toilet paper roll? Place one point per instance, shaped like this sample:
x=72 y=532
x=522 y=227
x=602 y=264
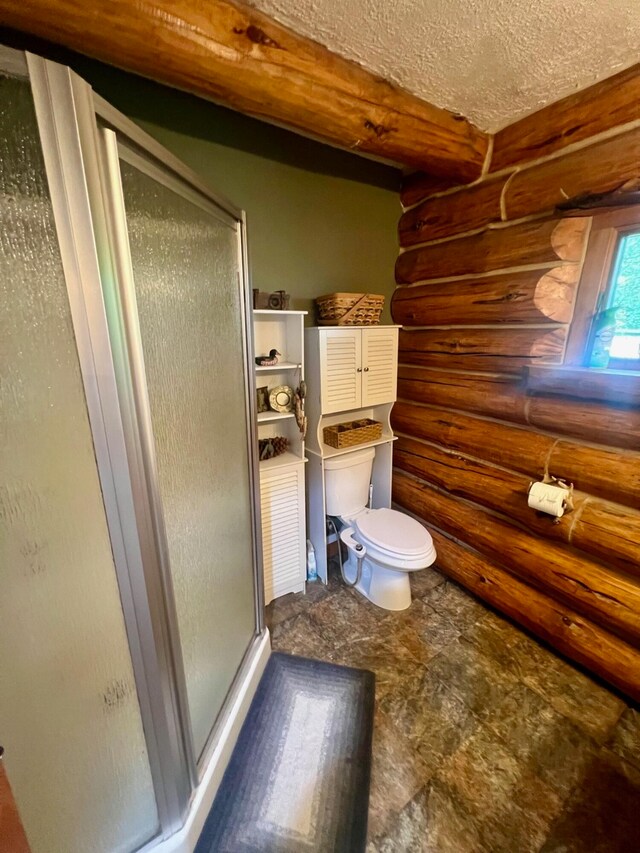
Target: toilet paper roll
x=547 y=498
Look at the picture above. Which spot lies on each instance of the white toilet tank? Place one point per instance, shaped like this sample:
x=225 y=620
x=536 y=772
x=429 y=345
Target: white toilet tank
x=347 y=479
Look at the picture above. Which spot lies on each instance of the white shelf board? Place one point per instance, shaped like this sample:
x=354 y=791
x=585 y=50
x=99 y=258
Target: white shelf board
x=282 y=365
x=276 y=312
x=267 y=417
x=326 y=452
x=282 y=461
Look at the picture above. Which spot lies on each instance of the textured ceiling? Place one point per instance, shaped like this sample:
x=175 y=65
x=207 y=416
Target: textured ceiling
x=491 y=60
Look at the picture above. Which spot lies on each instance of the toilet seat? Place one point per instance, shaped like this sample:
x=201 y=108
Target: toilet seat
x=394 y=539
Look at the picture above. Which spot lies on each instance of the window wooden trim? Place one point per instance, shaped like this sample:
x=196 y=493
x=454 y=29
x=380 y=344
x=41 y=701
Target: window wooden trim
x=606 y=229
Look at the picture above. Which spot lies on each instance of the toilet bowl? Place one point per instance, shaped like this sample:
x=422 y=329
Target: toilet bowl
x=388 y=543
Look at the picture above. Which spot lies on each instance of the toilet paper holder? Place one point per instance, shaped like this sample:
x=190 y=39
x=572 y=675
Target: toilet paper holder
x=551 y=495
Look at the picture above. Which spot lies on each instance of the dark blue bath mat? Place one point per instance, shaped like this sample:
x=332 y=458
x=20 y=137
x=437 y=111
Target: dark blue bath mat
x=298 y=779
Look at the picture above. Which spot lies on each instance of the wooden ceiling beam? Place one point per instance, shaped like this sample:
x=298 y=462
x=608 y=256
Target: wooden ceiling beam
x=236 y=56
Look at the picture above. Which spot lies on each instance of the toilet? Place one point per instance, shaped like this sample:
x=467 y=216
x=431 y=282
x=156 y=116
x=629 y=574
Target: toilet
x=389 y=543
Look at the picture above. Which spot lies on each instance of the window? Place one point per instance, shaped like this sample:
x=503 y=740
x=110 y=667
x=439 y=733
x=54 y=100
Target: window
x=623 y=298
x=605 y=331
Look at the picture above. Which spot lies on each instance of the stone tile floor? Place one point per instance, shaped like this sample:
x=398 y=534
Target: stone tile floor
x=484 y=740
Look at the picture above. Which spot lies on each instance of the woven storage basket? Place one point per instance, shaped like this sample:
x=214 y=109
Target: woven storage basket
x=349 y=309
x=352 y=433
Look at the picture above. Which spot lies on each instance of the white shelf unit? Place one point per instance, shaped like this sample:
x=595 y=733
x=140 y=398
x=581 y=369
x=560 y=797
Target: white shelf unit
x=351 y=374
x=282 y=481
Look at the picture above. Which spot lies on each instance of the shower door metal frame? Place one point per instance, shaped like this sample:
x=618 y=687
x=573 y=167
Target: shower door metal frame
x=132 y=376
x=77 y=130
x=145 y=153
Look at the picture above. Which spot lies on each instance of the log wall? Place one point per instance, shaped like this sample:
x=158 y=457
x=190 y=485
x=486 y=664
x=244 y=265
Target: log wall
x=487 y=276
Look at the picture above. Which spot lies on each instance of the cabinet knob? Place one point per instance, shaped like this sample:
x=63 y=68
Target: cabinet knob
x=359 y=370
x=366 y=370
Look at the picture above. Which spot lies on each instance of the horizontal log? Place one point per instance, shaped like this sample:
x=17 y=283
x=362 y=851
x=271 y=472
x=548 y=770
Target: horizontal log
x=510 y=447
x=610 y=474
x=504 y=397
x=611 y=533
x=608 y=104
x=599 y=593
x=235 y=55
x=540 y=242
x=617 y=427
x=524 y=296
x=619 y=387
x=601 y=529
x=418 y=185
x=491 y=394
x=500 y=350
x=605 y=473
x=466 y=210
x=560 y=626
x=598 y=168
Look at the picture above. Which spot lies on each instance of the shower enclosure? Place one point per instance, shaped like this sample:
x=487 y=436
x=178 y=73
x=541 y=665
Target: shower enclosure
x=130 y=597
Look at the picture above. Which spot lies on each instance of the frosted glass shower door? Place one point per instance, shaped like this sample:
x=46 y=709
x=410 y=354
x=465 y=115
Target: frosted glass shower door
x=186 y=267
x=70 y=722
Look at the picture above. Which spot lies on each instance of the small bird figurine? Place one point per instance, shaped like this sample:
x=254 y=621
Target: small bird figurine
x=268 y=360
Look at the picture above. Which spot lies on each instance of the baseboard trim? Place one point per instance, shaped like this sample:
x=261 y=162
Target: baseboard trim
x=185 y=840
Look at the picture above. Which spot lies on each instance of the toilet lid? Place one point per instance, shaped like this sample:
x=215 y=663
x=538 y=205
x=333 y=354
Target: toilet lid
x=394 y=531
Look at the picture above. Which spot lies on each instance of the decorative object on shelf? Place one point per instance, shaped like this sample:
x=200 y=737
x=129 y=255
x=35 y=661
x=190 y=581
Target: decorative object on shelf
x=268 y=360
x=351 y=433
x=349 y=309
x=298 y=404
x=278 y=301
x=281 y=399
x=268 y=448
x=262 y=399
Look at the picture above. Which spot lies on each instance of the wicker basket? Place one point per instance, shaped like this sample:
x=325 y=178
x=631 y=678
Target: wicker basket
x=352 y=433
x=349 y=309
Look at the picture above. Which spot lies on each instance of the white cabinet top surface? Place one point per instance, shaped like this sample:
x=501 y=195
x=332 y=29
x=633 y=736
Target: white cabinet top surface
x=349 y=326
x=274 y=312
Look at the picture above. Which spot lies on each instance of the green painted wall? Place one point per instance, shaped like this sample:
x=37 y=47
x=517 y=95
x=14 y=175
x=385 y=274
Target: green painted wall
x=319 y=220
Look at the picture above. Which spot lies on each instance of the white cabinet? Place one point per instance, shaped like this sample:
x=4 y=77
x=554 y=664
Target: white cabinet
x=351 y=374
x=341 y=366
x=282 y=480
x=358 y=367
x=379 y=365
x=283 y=530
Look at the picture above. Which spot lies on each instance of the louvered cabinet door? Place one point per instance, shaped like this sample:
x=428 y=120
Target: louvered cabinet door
x=283 y=530
x=341 y=369
x=379 y=365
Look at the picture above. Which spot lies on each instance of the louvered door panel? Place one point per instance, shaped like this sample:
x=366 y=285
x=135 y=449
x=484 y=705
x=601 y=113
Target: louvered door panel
x=340 y=360
x=283 y=530
x=379 y=365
